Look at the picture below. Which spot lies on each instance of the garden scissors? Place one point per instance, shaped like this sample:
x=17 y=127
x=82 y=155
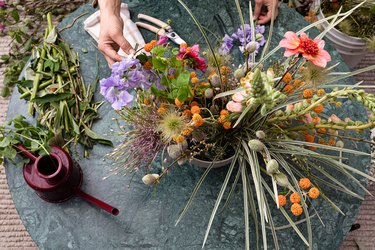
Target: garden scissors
x=164 y=30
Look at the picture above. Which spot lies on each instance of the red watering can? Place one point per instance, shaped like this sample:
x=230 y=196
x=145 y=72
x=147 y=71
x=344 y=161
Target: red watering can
x=56 y=178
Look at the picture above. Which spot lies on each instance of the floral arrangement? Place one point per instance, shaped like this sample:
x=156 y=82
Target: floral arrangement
x=271 y=122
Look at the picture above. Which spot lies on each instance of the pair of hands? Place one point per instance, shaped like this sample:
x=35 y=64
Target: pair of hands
x=111 y=37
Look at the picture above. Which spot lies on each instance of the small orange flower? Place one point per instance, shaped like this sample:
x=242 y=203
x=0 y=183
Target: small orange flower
x=298 y=83
x=309 y=138
x=195 y=110
x=183 y=45
x=296 y=209
x=316 y=120
x=146 y=101
x=147 y=65
x=178 y=138
x=224 y=70
x=322 y=131
x=178 y=102
x=162 y=110
x=288 y=89
x=193 y=74
x=205 y=84
x=187 y=131
x=194 y=80
x=307 y=93
x=197 y=120
x=318 y=109
x=314 y=193
x=171 y=76
x=224 y=112
x=322 y=141
x=227 y=125
x=222 y=119
x=282 y=200
x=287 y=78
x=332 y=142
x=149 y=46
x=187 y=113
x=304 y=183
x=164 y=105
x=194 y=103
x=295 y=198
x=321 y=92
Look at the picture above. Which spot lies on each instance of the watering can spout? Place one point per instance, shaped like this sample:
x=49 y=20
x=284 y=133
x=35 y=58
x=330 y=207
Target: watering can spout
x=23 y=150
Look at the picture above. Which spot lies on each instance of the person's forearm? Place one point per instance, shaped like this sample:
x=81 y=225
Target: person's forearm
x=111 y=7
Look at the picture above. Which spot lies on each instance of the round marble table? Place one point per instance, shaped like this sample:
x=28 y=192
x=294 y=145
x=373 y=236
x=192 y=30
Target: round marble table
x=147 y=216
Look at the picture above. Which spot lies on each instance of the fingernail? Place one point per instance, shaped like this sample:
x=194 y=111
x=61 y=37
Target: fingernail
x=131 y=51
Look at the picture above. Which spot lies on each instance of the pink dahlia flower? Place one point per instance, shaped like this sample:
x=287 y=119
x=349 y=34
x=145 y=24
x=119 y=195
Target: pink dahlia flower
x=311 y=50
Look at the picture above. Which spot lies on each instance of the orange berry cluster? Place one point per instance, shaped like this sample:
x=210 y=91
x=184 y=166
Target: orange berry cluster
x=295 y=198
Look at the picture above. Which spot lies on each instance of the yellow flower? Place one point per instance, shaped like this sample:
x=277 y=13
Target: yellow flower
x=178 y=138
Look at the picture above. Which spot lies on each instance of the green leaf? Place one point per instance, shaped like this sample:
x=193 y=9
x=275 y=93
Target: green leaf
x=5 y=142
x=159 y=63
x=158 y=50
x=183 y=79
x=9 y=153
x=183 y=94
x=52 y=98
x=14 y=14
x=96 y=137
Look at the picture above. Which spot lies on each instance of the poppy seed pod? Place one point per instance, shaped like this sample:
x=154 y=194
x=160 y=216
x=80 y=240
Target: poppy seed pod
x=272 y=167
x=260 y=135
x=251 y=47
x=282 y=180
x=209 y=93
x=256 y=145
x=215 y=81
x=150 y=179
x=239 y=73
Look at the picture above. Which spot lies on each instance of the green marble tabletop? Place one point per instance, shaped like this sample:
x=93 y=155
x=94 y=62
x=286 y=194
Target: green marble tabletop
x=147 y=216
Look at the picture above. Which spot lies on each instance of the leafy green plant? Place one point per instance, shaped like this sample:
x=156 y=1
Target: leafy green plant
x=18 y=131
x=23 y=21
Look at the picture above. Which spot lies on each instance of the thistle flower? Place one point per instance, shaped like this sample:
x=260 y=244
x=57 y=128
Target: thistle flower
x=169 y=125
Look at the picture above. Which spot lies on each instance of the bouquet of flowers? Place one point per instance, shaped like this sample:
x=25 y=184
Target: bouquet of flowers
x=271 y=122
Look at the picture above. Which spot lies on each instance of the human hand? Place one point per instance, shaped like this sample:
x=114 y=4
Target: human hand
x=262 y=16
x=111 y=37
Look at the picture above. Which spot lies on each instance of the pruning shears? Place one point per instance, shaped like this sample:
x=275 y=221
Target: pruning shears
x=163 y=30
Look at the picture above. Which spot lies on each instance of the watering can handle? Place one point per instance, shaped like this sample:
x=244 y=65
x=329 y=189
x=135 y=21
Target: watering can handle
x=26 y=152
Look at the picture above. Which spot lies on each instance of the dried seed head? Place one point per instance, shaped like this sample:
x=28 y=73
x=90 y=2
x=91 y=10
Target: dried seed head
x=150 y=179
x=272 y=167
x=256 y=145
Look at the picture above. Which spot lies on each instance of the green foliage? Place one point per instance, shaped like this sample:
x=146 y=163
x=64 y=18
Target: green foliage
x=23 y=21
x=19 y=131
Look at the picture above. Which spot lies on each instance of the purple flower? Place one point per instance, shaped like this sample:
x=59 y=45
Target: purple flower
x=112 y=89
x=120 y=68
x=2 y=3
x=227 y=45
x=243 y=38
